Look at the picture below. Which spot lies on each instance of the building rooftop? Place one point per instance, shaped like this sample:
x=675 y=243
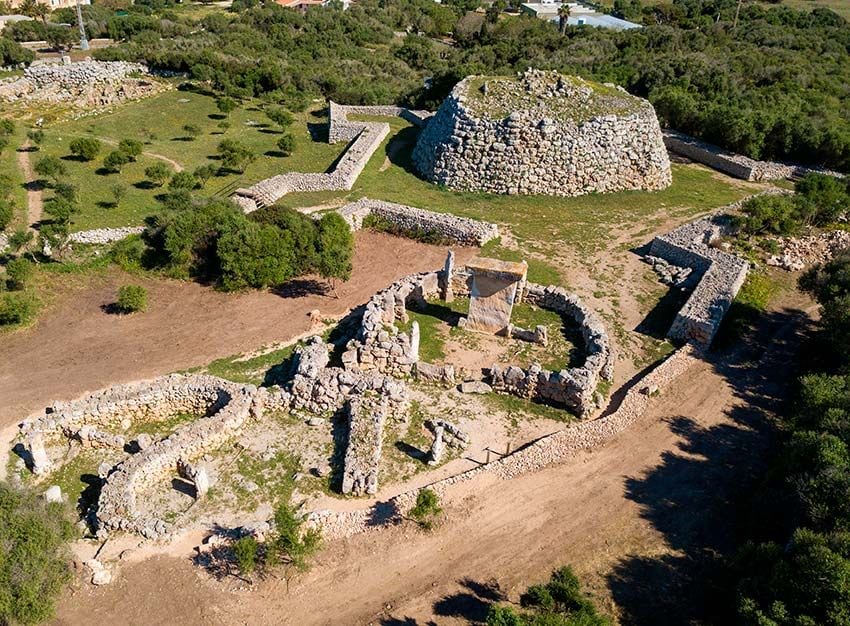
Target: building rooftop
x=580 y=15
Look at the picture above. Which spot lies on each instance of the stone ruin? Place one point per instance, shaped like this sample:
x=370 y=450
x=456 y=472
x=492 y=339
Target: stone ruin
x=379 y=345
x=493 y=291
x=542 y=133
x=85 y=84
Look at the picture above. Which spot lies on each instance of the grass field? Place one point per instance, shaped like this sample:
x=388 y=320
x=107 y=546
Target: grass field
x=158 y=123
x=9 y=167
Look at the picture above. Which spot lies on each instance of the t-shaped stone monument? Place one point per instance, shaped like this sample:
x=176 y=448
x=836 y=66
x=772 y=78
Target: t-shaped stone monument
x=493 y=293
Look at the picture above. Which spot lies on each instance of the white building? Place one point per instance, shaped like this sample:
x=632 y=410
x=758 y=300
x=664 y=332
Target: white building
x=580 y=15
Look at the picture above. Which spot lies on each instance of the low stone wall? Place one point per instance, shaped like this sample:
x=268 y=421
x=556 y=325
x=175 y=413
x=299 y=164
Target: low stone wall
x=574 y=387
x=545 y=452
x=380 y=346
x=721 y=276
x=735 y=165
x=461 y=230
x=104 y=235
x=366 y=416
x=365 y=138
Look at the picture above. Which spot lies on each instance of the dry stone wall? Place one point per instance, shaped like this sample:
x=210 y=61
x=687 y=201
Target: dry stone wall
x=461 y=230
x=365 y=138
x=366 y=416
x=84 y=84
x=720 y=276
x=735 y=165
x=542 y=134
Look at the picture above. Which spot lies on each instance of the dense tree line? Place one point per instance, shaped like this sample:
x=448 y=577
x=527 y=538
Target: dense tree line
x=770 y=84
x=795 y=570
x=213 y=241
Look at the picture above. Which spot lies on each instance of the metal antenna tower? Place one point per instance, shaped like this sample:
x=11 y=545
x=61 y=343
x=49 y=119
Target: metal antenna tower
x=84 y=42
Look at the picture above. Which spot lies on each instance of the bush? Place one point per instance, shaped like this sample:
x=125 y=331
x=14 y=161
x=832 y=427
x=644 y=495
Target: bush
x=158 y=173
x=7 y=212
x=85 y=148
x=115 y=160
x=777 y=215
x=427 y=508
x=255 y=256
x=132 y=299
x=34 y=556
x=245 y=551
x=280 y=116
x=19 y=271
x=235 y=155
x=131 y=147
x=286 y=144
x=183 y=180
x=292 y=544
x=16 y=308
x=50 y=167
x=301 y=228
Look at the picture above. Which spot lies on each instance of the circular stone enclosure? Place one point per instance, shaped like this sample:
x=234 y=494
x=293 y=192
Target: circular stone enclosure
x=543 y=133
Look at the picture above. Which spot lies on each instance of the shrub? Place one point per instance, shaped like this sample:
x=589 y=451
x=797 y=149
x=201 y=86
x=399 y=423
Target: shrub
x=427 y=508
x=301 y=228
x=280 y=116
x=131 y=147
x=254 y=256
x=36 y=136
x=7 y=212
x=19 y=271
x=158 y=173
x=245 y=552
x=115 y=160
x=34 y=556
x=335 y=246
x=183 y=180
x=204 y=172
x=235 y=155
x=66 y=191
x=292 y=544
x=778 y=215
x=16 y=308
x=50 y=167
x=286 y=144
x=191 y=130
x=225 y=104
x=85 y=148
x=132 y=299
x=128 y=253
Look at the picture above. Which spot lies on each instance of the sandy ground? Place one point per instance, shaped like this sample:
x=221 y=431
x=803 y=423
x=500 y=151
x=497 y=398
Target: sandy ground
x=76 y=346
x=642 y=520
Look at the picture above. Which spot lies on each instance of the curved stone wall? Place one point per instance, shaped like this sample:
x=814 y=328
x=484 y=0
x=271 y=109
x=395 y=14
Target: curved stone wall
x=379 y=346
x=542 y=134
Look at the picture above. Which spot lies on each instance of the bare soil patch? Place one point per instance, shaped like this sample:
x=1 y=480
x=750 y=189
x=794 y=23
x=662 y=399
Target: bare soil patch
x=76 y=347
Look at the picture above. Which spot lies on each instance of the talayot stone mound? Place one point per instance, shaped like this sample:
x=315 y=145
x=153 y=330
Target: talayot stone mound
x=542 y=133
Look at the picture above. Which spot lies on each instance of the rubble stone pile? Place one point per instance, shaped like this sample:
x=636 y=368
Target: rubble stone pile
x=797 y=253
x=542 y=133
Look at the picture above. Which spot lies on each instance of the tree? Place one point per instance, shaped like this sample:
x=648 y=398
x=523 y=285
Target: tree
x=131 y=147
x=335 y=247
x=19 y=272
x=225 y=104
x=119 y=191
x=158 y=173
x=85 y=148
x=235 y=155
x=204 y=172
x=34 y=555
x=563 y=17
x=132 y=299
x=67 y=191
x=293 y=545
x=191 y=131
x=286 y=144
x=36 y=136
x=183 y=180
x=300 y=227
x=60 y=209
x=20 y=240
x=50 y=167
x=61 y=38
x=115 y=160
x=280 y=116
x=255 y=255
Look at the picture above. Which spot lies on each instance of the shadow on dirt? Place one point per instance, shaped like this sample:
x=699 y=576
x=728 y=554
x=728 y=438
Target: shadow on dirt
x=693 y=496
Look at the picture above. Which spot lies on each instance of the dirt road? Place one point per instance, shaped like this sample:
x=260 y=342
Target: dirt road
x=34 y=193
x=76 y=346
x=642 y=520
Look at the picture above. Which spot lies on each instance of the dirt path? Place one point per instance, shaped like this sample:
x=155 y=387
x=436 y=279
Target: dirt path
x=641 y=520
x=75 y=346
x=34 y=193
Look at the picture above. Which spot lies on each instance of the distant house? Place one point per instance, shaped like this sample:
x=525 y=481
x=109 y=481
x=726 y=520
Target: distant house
x=303 y=5
x=580 y=15
x=53 y=4
x=11 y=19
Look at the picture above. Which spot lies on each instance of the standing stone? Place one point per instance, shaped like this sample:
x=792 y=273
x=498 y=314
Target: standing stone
x=438 y=447
x=202 y=483
x=38 y=455
x=414 y=342
x=448 y=272
x=494 y=287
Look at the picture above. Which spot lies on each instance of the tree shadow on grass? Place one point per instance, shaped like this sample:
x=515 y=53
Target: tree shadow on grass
x=695 y=495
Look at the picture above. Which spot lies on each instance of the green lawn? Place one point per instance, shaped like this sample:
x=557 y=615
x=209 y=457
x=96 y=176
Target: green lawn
x=158 y=123
x=9 y=167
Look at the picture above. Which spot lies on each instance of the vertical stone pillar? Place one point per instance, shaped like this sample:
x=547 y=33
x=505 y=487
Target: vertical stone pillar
x=448 y=271
x=437 y=447
x=414 y=342
x=38 y=455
